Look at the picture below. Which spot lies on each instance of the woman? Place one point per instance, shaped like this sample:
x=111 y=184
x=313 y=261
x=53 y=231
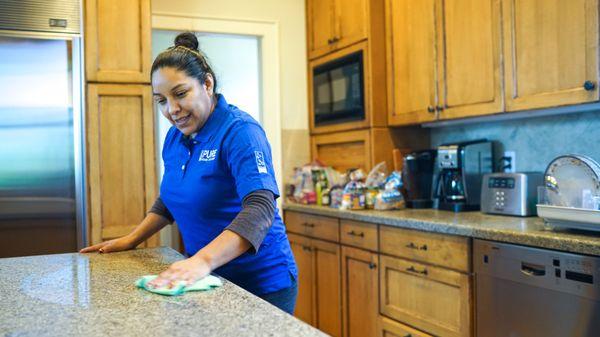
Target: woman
x=218 y=185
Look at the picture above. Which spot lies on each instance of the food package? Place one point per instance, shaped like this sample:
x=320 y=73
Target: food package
x=391 y=197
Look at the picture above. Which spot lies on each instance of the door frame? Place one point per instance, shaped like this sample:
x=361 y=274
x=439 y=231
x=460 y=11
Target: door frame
x=270 y=97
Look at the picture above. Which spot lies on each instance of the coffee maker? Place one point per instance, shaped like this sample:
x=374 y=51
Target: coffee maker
x=461 y=167
x=417 y=175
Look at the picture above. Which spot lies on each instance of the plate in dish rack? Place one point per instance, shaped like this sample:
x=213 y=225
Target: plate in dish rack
x=569 y=177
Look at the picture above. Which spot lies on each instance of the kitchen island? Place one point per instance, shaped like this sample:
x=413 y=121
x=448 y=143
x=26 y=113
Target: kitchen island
x=94 y=295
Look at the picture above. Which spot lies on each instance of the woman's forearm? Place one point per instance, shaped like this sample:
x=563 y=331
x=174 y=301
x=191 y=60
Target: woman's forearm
x=224 y=248
x=151 y=224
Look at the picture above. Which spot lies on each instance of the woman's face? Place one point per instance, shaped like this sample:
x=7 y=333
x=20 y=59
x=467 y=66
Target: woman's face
x=185 y=102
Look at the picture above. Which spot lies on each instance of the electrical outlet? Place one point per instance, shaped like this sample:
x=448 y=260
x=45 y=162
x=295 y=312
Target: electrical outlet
x=510 y=161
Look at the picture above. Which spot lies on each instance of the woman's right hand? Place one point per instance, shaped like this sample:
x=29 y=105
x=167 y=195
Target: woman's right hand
x=111 y=246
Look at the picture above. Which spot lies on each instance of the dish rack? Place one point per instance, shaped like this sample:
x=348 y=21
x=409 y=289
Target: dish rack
x=569 y=217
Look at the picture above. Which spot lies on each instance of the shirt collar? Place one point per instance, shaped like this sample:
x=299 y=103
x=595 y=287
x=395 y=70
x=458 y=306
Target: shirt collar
x=214 y=121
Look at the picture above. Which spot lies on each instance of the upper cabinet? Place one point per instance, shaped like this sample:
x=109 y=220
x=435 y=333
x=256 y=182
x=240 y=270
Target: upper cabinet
x=550 y=52
x=117 y=41
x=443 y=59
x=334 y=24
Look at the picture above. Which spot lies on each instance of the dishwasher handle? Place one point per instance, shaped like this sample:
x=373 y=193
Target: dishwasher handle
x=531 y=269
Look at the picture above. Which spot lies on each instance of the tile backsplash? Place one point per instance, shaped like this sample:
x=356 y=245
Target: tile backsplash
x=536 y=141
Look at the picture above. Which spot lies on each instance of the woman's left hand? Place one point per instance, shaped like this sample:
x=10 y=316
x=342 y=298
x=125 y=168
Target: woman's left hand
x=189 y=271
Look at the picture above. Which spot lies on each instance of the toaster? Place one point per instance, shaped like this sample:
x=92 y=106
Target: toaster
x=510 y=193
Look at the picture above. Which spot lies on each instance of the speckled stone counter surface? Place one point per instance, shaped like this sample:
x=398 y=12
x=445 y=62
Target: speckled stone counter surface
x=529 y=231
x=94 y=295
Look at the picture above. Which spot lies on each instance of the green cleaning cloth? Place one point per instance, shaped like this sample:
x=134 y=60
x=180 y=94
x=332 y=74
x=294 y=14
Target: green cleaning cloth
x=206 y=283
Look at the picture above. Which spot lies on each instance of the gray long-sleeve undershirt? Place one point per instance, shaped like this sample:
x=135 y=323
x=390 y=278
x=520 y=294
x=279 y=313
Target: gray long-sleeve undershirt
x=253 y=221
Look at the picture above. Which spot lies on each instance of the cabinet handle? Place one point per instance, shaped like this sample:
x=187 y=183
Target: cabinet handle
x=306 y=248
x=414 y=246
x=430 y=109
x=372 y=265
x=353 y=233
x=329 y=41
x=306 y=224
x=414 y=270
x=439 y=108
x=589 y=85
x=409 y=335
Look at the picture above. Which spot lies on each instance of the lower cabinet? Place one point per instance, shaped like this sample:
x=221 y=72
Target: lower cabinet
x=433 y=299
x=319 y=300
x=360 y=291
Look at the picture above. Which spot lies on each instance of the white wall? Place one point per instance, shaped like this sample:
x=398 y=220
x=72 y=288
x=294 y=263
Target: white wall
x=290 y=15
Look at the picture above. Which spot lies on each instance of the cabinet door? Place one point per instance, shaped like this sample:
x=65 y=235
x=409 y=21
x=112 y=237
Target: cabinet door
x=343 y=150
x=360 y=289
x=431 y=299
x=117 y=41
x=328 y=293
x=320 y=26
x=551 y=51
x=351 y=21
x=469 y=58
x=304 y=260
x=410 y=28
x=121 y=162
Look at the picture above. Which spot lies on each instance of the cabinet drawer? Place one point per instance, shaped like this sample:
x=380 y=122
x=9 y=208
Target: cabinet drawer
x=315 y=226
x=359 y=234
x=390 y=328
x=432 y=299
x=448 y=251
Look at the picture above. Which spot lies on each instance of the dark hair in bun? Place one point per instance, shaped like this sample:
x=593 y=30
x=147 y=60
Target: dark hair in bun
x=185 y=56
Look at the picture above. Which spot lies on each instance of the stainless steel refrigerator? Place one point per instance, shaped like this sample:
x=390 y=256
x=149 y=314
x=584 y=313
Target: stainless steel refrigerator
x=42 y=187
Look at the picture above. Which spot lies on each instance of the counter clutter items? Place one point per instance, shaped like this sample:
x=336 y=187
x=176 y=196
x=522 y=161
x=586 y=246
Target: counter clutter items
x=94 y=295
x=316 y=184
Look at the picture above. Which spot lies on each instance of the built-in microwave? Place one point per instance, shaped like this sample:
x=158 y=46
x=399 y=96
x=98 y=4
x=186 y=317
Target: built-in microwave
x=338 y=90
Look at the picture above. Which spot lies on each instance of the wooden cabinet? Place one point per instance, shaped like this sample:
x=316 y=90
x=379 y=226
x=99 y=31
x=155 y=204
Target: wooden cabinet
x=354 y=149
x=443 y=59
x=390 y=328
x=550 y=52
x=334 y=24
x=435 y=300
x=121 y=164
x=117 y=41
x=319 y=300
x=317 y=226
x=360 y=289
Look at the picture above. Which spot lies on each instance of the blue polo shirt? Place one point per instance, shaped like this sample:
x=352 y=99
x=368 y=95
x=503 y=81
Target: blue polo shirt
x=205 y=180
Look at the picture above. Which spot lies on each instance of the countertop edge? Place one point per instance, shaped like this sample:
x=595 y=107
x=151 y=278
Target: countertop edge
x=541 y=239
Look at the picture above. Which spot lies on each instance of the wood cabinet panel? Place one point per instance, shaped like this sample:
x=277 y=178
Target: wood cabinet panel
x=328 y=287
x=360 y=289
x=469 y=58
x=359 y=234
x=316 y=226
x=390 y=328
x=121 y=163
x=320 y=26
x=550 y=50
x=432 y=299
x=343 y=150
x=410 y=30
x=301 y=247
x=118 y=37
x=352 y=18
x=448 y=251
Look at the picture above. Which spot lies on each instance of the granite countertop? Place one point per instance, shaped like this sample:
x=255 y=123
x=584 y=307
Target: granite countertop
x=94 y=295
x=530 y=231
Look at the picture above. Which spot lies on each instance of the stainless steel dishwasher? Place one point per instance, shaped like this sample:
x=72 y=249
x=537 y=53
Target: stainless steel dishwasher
x=530 y=292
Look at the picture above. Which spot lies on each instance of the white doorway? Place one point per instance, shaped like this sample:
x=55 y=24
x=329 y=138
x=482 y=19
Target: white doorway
x=245 y=58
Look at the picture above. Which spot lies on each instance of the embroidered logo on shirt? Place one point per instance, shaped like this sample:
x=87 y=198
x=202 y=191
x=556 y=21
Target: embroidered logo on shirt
x=208 y=155
x=260 y=162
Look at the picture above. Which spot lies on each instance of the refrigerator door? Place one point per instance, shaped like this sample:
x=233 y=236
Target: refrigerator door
x=41 y=203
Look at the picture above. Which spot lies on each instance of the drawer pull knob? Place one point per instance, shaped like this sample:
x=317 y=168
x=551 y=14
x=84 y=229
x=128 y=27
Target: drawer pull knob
x=353 y=233
x=423 y=247
x=372 y=265
x=589 y=85
x=310 y=225
x=414 y=270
